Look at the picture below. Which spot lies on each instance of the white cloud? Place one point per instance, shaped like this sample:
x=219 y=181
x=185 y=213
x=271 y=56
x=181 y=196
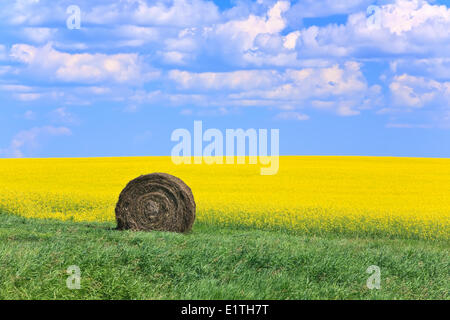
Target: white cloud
x=234 y=80
x=417 y=92
x=403 y=27
x=180 y=13
x=39 y=35
x=247 y=39
x=175 y=57
x=99 y=90
x=176 y=13
x=66 y=95
x=436 y=68
x=290 y=40
x=263 y=59
x=28 y=12
x=247 y=30
x=245 y=34
x=315 y=83
x=135 y=36
x=144 y=12
x=27 y=96
x=258 y=40
x=406 y=15
x=83 y=67
x=184 y=41
x=15 y=88
x=346 y=108
x=342 y=89
x=29 y=139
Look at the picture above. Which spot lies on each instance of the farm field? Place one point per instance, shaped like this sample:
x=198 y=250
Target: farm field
x=390 y=197
x=309 y=232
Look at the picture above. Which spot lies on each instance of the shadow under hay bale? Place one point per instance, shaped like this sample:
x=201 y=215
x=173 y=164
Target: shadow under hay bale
x=157 y=201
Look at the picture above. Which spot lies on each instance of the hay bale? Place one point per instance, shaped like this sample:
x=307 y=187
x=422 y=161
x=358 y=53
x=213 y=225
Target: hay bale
x=157 y=201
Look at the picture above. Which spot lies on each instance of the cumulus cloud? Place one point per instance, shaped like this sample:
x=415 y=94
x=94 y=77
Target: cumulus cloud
x=22 y=92
x=234 y=80
x=189 y=29
x=254 y=40
x=290 y=84
x=420 y=102
x=343 y=89
x=253 y=36
x=176 y=13
x=407 y=15
x=436 y=68
x=417 y=92
x=169 y=13
x=29 y=12
x=133 y=36
x=247 y=30
x=39 y=35
x=30 y=140
x=182 y=13
x=290 y=40
x=402 y=27
x=252 y=54
x=82 y=67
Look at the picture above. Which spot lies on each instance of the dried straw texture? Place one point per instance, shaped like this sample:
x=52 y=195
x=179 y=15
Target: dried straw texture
x=157 y=201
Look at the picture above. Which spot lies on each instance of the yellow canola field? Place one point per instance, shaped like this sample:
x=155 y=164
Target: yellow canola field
x=405 y=197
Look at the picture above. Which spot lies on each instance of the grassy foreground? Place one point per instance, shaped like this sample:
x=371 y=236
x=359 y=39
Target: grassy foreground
x=211 y=263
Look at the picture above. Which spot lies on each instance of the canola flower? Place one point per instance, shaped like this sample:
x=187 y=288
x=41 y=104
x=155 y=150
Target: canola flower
x=398 y=197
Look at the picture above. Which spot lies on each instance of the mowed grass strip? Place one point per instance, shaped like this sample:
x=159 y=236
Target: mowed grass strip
x=211 y=262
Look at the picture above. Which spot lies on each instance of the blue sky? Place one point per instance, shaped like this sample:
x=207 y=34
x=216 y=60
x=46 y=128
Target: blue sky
x=332 y=81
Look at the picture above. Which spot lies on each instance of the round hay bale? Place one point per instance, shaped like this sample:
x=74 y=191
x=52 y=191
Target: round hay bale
x=157 y=201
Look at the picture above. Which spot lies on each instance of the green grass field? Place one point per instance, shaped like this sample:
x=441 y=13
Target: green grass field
x=211 y=263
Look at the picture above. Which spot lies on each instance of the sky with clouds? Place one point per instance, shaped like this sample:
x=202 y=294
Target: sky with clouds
x=350 y=77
